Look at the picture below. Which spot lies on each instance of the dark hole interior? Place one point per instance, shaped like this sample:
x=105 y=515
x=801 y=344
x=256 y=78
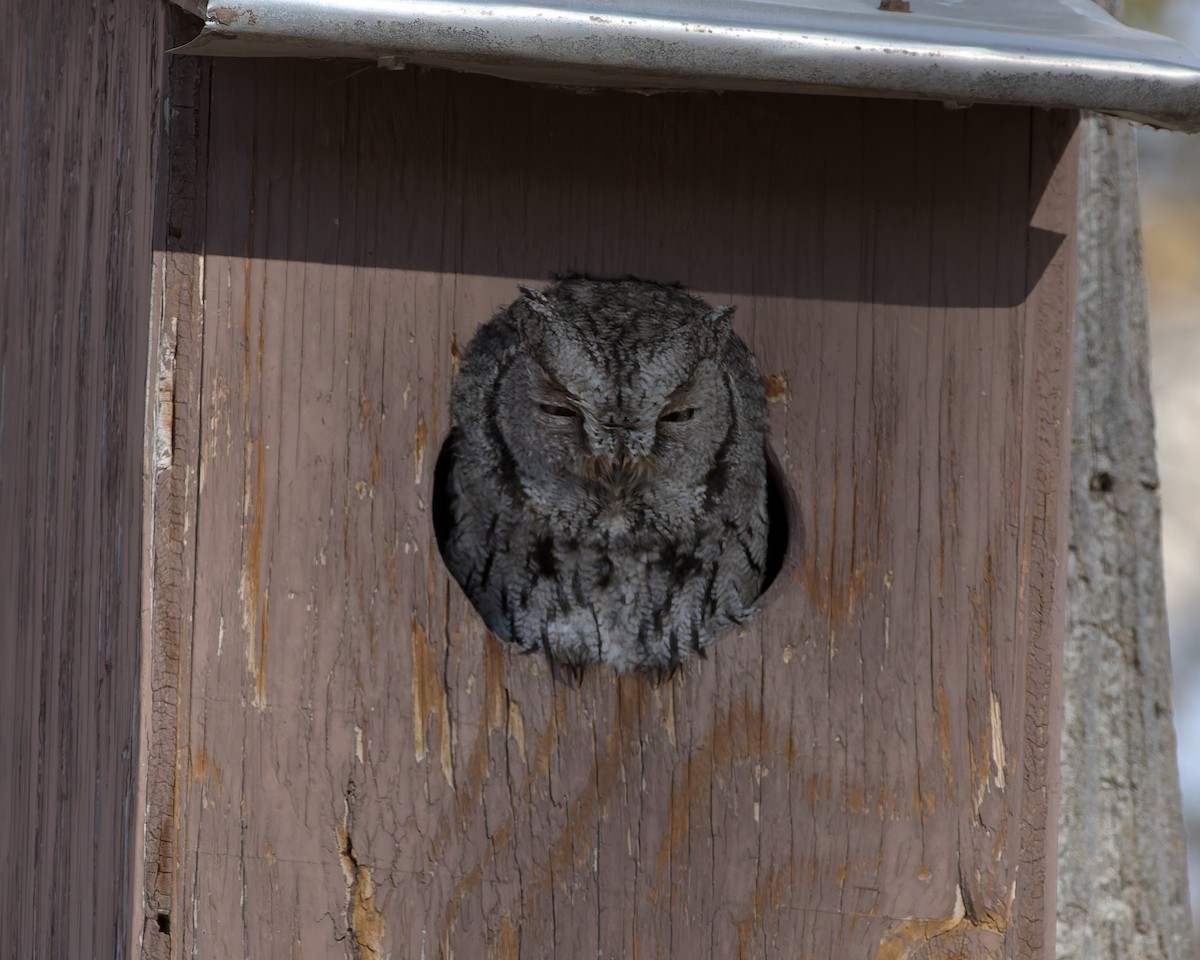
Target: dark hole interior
x=778 y=527
x=164 y=922
x=441 y=493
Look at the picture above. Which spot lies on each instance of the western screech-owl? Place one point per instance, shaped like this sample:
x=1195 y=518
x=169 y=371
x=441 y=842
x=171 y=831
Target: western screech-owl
x=606 y=489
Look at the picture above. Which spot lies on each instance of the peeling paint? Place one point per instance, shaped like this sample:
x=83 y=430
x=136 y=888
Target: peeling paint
x=838 y=574
x=364 y=919
x=254 y=610
x=666 y=710
x=516 y=727
x=164 y=396
x=943 y=728
x=420 y=441
x=777 y=388
x=998 y=758
x=508 y=941
x=959 y=936
x=225 y=16
x=771 y=894
x=205 y=769
x=738 y=736
x=429 y=699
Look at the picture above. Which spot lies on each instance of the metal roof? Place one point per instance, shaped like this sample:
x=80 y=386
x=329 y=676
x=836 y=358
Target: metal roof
x=1051 y=53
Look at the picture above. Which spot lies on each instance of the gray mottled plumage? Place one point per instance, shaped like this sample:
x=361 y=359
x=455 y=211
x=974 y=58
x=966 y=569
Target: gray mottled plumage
x=606 y=488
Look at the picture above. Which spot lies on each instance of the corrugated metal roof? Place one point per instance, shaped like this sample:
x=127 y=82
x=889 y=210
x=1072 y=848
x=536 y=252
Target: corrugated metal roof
x=1052 y=53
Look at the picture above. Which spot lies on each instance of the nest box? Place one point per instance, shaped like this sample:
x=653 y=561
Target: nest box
x=339 y=760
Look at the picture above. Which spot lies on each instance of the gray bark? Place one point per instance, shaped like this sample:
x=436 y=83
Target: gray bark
x=1122 y=879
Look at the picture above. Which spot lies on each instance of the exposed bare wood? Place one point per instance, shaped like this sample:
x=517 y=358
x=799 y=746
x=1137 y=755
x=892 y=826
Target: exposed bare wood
x=172 y=448
x=865 y=771
x=1123 y=889
x=80 y=90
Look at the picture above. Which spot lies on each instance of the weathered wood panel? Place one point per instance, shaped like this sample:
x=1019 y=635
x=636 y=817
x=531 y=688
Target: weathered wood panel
x=865 y=771
x=169 y=561
x=79 y=97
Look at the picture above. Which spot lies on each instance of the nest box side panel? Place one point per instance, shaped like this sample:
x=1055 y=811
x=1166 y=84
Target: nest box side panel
x=80 y=98
x=865 y=770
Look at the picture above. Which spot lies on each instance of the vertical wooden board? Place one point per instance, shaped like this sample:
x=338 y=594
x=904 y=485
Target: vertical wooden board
x=847 y=774
x=173 y=428
x=80 y=90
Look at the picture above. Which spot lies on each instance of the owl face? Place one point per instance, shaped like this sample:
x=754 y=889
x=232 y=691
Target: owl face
x=609 y=399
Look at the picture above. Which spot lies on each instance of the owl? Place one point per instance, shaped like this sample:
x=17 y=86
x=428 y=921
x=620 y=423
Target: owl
x=605 y=485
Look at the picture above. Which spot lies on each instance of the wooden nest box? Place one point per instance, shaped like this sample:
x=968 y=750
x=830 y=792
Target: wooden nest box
x=339 y=760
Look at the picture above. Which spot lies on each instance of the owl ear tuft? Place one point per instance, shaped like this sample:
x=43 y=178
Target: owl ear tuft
x=538 y=309
x=538 y=302
x=720 y=325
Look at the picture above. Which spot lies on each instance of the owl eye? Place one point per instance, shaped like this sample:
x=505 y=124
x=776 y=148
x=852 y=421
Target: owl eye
x=678 y=416
x=556 y=410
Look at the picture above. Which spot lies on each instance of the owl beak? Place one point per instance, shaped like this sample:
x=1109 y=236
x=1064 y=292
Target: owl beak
x=628 y=466
x=620 y=475
x=637 y=444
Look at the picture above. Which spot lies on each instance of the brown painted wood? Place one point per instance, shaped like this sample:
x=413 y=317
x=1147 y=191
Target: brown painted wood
x=867 y=770
x=80 y=88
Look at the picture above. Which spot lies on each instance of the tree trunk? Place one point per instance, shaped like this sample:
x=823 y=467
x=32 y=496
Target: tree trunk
x=1122 y=880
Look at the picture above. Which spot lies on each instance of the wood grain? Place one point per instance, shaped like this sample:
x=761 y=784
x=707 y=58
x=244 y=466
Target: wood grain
x=865 y=771
x=80 y=89
x=176 y=337
x=1123 y=883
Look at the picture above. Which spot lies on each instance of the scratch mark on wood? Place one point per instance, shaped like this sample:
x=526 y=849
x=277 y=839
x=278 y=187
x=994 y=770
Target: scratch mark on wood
x=771 y=894
x=739 y=736
x=664 y=706
x=998 y=759
x=420 y=441
x=254 y=618
x=364 y=919
x=516 y=727
x=838 y=574
x=205 y=769
x=508 y=942
x=943 y=728
x=429 y=699
x=164 y=419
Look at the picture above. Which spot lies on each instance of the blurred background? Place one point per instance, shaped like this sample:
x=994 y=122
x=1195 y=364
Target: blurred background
x=1169 y=167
